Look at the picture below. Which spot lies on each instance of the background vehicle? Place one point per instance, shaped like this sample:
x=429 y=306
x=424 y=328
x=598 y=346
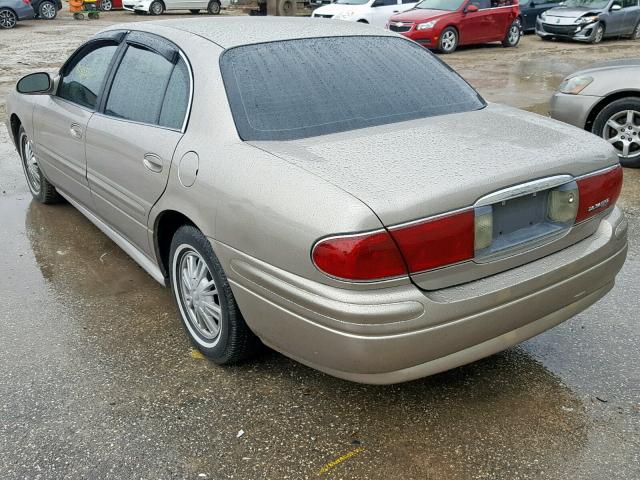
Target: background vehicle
x=446 y=24
x=157 y=7
x=46 y=9
x=375 y=12
x=11 y=11
x=531 y=9
x=590 y=20
x=605 y=99
x=108 y=5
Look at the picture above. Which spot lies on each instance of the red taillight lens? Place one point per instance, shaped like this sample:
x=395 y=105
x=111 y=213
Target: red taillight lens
x=369 y=256
x=598 y=192
x=437 y=242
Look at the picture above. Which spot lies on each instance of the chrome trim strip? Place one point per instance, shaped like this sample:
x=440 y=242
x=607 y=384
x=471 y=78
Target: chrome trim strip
x=429 y=219
x=523 y=189
x=599 y=172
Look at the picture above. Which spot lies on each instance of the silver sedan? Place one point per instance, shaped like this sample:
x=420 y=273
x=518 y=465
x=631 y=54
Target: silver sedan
x=605 y=99
x=331 y=190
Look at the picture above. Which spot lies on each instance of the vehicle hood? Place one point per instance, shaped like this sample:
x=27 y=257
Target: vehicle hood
x=419 y=15
x=410 y=170
x=336 y=8
x=572 y=12
x=623 y=63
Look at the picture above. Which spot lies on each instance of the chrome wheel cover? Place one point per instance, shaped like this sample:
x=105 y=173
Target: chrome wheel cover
x=448 y=40
x=215 y=9
x=156 y=8
x=106 y=5
x=197 y=295
x=622 y=130
x=30 y=165
x=7 y=19
x=47 y=11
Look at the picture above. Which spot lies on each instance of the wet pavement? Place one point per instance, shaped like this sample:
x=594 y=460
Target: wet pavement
x=99 y=381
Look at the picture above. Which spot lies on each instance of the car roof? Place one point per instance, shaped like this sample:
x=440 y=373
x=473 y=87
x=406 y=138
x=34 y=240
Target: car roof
x=234 y=31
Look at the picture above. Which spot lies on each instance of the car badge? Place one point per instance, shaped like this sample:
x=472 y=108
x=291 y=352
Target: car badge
x=398 y=24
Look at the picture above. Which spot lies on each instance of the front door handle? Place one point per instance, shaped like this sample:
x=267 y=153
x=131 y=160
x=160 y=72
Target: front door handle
x=76 y=131
x=153 y=162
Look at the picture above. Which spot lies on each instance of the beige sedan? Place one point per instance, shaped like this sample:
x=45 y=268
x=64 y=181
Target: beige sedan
x=326 y=188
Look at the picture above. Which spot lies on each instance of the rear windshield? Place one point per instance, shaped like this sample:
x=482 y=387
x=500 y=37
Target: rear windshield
x=315 y=86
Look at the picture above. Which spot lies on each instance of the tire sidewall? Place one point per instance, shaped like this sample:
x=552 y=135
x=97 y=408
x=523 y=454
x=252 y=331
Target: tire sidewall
x=629 y=103
x=214 y=7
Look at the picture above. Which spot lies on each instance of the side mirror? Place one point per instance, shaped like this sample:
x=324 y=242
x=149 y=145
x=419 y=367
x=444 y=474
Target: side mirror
x=34 y=83
x=471 y=9
x=615 y=7
x=532 y=4
x=377 y=3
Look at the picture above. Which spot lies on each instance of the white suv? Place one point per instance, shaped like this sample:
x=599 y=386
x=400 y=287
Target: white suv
x=375 y=12
x=157 y=7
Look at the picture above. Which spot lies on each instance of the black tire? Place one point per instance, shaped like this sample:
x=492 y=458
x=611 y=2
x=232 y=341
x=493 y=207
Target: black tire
x=214 y=7
x=636 y=32
x=8 y=18
x=195 y=11
x=448 y=41
x=513 y=35
x=599 y=34
x=78 y=16
x=601 y=129
x=234 y=340
x=156 y=8
x=47 y=11
x=41 y=190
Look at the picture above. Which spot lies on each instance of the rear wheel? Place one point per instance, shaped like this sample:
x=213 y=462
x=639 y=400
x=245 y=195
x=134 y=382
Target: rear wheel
x=619 y=124
x=156 y=8
x=106 y=5
x=214 y=7
x=206 y=304
x=512 y=38
x=599 y=34
x=8 y=18
x=448 y=40
x=47 y=11
x=41 y=190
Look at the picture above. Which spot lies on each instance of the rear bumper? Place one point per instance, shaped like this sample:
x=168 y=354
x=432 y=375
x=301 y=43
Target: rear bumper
x=572 y=109
x=398 y=334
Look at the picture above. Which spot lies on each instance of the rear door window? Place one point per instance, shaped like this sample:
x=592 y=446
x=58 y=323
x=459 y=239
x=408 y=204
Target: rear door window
x=314 y=86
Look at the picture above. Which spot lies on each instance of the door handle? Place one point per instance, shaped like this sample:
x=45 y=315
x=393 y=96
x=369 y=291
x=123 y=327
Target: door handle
x=76 y=131
x=396 y=11
x=153 y=162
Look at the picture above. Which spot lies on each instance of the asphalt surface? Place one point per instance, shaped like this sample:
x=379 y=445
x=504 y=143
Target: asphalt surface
x=98 y=379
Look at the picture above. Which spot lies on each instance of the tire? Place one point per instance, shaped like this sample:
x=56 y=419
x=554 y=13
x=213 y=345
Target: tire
x=625 y=133
x=286 y=8
x=106 y=5
x=513 y=35
x=636 y=32
x=8 y=18
x=195 y=12
x=448 y=41
x=599 y=35
x=78 y=16
x=47 y=11
x=40 y=188
x=227 y=340
x=213 y=8
x=156 y=8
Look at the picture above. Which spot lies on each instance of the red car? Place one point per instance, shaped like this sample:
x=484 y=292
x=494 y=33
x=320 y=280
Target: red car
x=445 y=24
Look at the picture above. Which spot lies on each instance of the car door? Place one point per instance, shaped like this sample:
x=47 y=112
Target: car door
x=501 y=18
x=631 y=10
x=130 y=142
x=382 y=10
x=615 y=19
x=60 y=120
x=477 y=27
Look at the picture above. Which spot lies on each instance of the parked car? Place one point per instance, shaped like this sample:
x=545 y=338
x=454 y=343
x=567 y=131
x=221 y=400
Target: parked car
x=604 y=99
x=591 y=20
x=158 y=7
x=46 y=9
x=375 y=12
x=12 y=11
x=108 y=5
x=531 y=9
x=386 y=225
x=446 y=24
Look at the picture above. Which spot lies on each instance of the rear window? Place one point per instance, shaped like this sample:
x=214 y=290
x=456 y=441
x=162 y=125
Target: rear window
x=303 y=88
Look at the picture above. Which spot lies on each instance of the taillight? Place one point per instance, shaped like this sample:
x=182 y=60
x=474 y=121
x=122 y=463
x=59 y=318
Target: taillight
x=436 y=241
x=598 y=191
x=367 y=256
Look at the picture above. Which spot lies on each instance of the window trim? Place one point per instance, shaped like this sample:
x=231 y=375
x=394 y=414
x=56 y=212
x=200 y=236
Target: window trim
x=140 y=43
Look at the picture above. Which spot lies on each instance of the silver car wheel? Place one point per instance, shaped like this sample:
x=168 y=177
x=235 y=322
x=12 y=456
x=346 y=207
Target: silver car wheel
x=622 y=130
x=30 y=165
x=448 y=40
x=48 y=11
x=636 y=32
x=106 y=5
x=198 y=296
x=514 y=33
x=156 y=8
x=7 y=19
x=599 y=34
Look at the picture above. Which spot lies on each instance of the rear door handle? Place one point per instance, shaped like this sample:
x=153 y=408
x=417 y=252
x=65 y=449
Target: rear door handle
x=153 y=162
x=76 y=131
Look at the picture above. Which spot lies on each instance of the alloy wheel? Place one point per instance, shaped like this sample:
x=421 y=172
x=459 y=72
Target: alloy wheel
x=599 y=34
x=622 y=130
x=106 y=5
x=156 y=8
x=636 y=32
x=448 y=40
x=48 y=11
x=30 y=164
x=7 y=19
x=514 y=33
x=198 y=295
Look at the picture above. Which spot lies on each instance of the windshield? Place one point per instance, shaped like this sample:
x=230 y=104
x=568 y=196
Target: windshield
x=316 y=86
x=449 y=5
x=351 y=2
x=597 y=4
